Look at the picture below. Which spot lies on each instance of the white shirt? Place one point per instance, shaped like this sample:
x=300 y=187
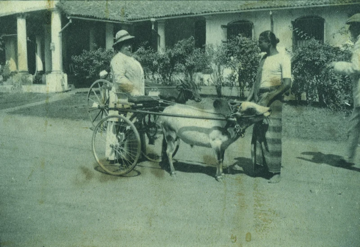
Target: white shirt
x=127 y=74
x=275 y=68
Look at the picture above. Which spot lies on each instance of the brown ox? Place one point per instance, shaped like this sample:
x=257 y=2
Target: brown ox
x=208 y=129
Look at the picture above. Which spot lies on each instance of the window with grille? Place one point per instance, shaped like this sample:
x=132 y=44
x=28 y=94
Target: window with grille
x=306 y=28
x=245 y=28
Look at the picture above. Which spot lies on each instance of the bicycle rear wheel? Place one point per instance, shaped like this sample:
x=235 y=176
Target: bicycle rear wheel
x=98 y=100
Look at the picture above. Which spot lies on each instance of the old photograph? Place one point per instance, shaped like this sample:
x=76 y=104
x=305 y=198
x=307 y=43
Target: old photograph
x=180 y=123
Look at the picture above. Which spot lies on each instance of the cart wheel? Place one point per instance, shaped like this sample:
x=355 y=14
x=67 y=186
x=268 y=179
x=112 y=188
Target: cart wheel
x=152 y=138
x=98 y=100
x=116 y=145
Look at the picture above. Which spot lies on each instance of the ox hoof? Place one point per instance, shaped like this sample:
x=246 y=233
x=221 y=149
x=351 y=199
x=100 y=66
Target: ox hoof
x=275 y=179
x=173 y=174
x=219 y=178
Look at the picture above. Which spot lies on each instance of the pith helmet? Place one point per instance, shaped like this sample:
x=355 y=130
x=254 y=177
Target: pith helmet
x=121 y=36
x=354 y=19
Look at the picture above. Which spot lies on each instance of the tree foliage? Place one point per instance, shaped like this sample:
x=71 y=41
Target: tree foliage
x=88 y=64
x=2 y=43
x=184 y=57
x=245 y=59
x=241 y=56
x=315 y=79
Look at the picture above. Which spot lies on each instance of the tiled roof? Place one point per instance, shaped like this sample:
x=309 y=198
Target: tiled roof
x=138 y=10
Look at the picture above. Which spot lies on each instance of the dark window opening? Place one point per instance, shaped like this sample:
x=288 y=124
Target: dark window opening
x=239 y=27
x=143 y=35
x=200 y=33
x=306 y=28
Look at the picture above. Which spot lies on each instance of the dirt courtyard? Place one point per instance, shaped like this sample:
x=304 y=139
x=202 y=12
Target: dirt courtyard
x=52 y=194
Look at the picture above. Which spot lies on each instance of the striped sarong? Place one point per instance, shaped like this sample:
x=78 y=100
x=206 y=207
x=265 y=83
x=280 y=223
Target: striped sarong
x=266 y=140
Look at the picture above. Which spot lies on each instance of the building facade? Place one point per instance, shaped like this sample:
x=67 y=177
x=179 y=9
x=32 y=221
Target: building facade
x=39 y=37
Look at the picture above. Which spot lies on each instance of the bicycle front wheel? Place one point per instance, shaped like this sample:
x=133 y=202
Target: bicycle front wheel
x=116 y=145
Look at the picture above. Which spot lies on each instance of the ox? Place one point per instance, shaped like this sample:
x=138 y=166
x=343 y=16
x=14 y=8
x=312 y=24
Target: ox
x=209 y=130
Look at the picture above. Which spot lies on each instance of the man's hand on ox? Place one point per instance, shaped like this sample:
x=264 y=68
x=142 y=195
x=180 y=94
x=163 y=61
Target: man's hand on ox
x=264 y=100
x=251 y=96
x=330 y=65
x=103 y=74
x=126 y=87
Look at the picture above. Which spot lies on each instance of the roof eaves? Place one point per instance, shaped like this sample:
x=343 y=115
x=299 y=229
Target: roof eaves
x=247 y=9
x=94 y=18
x=74 y=13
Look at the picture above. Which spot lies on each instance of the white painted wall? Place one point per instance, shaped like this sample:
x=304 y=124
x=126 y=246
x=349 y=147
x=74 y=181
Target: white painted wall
x=13 y=7
x=335 y=18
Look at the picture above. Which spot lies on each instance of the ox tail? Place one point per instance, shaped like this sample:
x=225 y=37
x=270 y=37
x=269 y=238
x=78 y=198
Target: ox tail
x=164 y=158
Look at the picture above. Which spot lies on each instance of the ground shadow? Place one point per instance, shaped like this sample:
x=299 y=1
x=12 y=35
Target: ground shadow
x=133 y=173
x=189 y=167
x=248 y=168
x=328 y=159
x=240 y=166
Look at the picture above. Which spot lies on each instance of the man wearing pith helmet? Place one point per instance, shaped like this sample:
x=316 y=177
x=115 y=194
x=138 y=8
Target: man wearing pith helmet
x=352 y=69
x=127 y=77
x=127 y=73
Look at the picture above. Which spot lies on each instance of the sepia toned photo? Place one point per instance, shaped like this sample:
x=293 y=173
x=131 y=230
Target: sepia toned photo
x=180 y=123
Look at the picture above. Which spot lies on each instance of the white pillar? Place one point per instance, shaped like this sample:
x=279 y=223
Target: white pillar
x=109 y=35
x=92 y=42
x=55 y=46
x=47 y=51
x=22 y=44
x=161 y=32
x=64 y=40
x=56 y=81
x=10 y=52
x=39 y=62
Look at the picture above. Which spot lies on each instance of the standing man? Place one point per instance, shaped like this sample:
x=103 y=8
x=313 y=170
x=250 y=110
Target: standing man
x=352 y=69
x=273 y=79
x=128 y=78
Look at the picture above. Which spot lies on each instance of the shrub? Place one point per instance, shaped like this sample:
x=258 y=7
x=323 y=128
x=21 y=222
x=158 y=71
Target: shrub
x=241 y=55
x=312 y=77
x=166 y=68
x=88 y=65
x=219 y=59
x=184 y=57
x=156 y=65
x=2 y=43
x=5 y=71
x=149 y=60
x=244 y=61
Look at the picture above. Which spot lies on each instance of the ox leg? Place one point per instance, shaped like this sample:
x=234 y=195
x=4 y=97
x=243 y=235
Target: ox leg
x=219 y=167
x=171 y=142
x=171 y=145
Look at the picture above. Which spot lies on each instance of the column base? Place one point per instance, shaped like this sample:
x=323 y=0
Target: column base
x=56 y=82
x=19 y=79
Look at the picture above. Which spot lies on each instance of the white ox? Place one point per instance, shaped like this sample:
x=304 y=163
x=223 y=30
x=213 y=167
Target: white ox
x=208 y=129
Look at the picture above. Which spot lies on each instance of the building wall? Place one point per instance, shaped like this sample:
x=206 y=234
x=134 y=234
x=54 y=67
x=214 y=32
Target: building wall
x=335 y=18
